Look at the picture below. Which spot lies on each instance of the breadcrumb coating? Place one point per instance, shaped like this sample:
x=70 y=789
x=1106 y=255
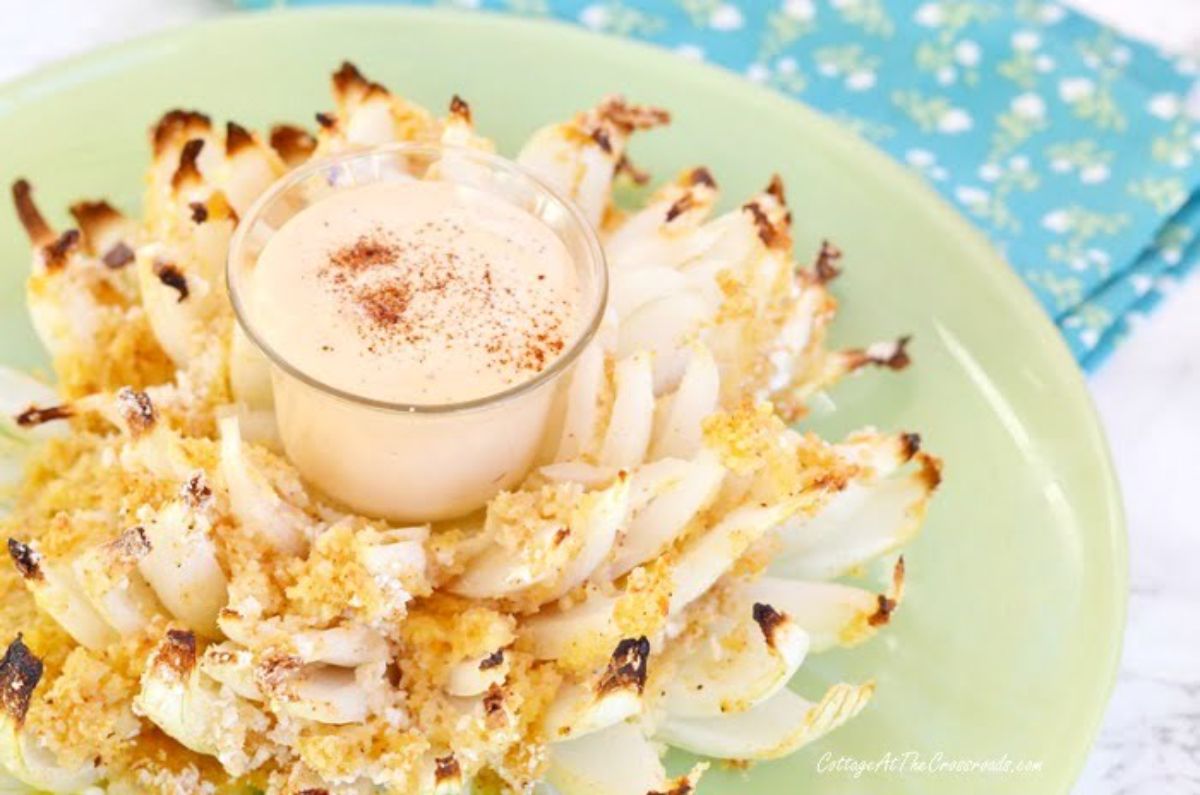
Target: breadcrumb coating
x=348 y=659
x=335 y=580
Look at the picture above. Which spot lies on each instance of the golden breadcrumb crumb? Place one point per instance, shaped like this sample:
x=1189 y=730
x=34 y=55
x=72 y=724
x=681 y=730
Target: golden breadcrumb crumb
x=18 y=614
x=132 y=357
x=444 y=630
x=335 y=580
x=744 y=437
x=76 y=493
x=737 y=302
x=86 y=711
x=344 y=753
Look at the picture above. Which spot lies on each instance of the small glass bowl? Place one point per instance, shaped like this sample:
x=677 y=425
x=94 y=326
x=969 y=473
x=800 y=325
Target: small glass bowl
x=409 y=462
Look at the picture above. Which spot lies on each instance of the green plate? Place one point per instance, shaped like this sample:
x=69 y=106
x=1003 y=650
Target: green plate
x=1007 y=645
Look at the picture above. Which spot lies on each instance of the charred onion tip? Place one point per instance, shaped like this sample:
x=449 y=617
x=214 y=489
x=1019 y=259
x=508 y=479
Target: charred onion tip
x=883 y=611
x=31 y=219
x=460 y=107
x=348 y=73
x=175 y=121
x=602 y=139
x=615 y=110
x=291 y=142
x=57 y=251
x=182 y=638
x=492 y=660
x=237 y=138
x=768 y=620
x=911 y=444
x=325 y=120
x=683 y=788
x=85 y=207
x=20 y=673
x=896 y=359
x=190 y=151
x=767 y=232
x=680 y=206
x=178 y=651
x=34 y=416
x=195 y=490
x=136 y=409
x=931 y=471
x=289 y=132
x=625 y=166
x=187 y=162
x=135 y=543
x=275 y=671
x=348 y=76
x=172 y=277
x=493 y=705
x=775 y=188
x=92 y=214
x=702 y=176
x=898 y=574
x=446 y=767
x=627 y=665
x=826 y=265
x=900 y=359
x=26 y=559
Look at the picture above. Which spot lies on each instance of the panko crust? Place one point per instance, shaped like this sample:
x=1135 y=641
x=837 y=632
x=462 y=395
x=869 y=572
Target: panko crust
x=329 y=667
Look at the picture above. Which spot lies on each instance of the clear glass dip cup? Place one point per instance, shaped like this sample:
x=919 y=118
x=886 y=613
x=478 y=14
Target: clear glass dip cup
x=405 y=462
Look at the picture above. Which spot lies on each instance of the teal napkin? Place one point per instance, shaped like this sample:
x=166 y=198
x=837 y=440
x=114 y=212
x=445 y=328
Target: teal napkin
x=1068 y=145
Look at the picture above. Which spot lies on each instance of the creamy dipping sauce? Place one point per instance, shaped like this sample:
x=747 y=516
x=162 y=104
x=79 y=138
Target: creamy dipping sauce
x=402 y=299
x=416 y=292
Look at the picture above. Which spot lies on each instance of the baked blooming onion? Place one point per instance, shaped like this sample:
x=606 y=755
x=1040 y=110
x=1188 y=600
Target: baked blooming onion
x=183 y=614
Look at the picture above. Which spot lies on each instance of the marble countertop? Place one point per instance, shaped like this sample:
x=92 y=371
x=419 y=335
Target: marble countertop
x=1148 y=396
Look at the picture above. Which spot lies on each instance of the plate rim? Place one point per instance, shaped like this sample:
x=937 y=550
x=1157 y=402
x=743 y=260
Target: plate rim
x=1017 y=300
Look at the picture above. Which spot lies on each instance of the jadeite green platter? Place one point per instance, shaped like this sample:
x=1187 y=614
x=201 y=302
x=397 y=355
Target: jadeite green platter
x=1007 y=644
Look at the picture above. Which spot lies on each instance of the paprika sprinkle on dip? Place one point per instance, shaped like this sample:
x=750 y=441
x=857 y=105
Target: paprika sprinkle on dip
x=417 y=292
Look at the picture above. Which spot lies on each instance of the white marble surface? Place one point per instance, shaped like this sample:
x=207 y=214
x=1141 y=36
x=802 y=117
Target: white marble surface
x=1148 y=395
